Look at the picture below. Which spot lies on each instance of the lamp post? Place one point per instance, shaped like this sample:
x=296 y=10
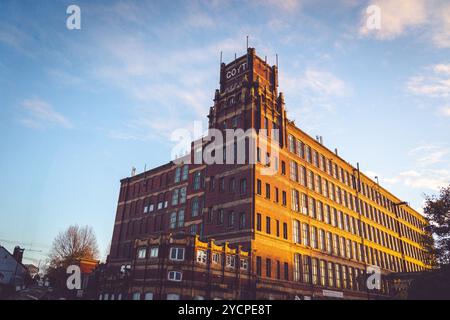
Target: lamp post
x=396 y=206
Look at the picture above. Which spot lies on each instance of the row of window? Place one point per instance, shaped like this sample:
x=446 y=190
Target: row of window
x=268 y=192
x=231 y=187
x=268 y=229
x=311 y=236
x=175 y=253
x=220 y=217
x=327 y=274
x=146 y=296
x=138 y=296
x=322 y=186
x=154 y=182
x=333 y=244
x=178 y=197
x=300 y=202
x=336 y=218
x=279 y=267
x=178 y=254
x=176 y=220
x=312 y=156
x=217 y=258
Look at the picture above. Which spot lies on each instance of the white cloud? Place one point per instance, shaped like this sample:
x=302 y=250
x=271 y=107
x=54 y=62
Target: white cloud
x=200 y=20
x=16 y=38
x=434 y=82
x=442 y=68
x=312 y=95
x=445 y=111
x=371 y=174
x=427 y=155
x=432 y=179
x=179 y=84
x=284 y=5
x=441 y=34
x=428 y=18
x=318 y=82
x=431 y=170
x=396 y=18
x=40 y=114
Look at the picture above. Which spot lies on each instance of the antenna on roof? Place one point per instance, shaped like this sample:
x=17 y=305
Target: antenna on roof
x=220 y=57
x=247 y=42
x=276 y=55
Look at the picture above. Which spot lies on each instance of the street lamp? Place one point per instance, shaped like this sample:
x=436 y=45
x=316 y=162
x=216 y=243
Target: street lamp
x=397 y=205
x=401 y=204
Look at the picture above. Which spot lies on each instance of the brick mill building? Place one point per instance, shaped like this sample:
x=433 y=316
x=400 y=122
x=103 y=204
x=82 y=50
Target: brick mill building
x=188 y=230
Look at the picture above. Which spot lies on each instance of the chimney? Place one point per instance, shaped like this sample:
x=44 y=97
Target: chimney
x=336 y=151
x=18 y=254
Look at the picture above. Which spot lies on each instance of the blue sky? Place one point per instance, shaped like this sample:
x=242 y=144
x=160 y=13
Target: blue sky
x=79 y=108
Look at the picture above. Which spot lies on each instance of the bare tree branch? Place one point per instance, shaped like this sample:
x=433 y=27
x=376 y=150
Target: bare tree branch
x=73 y=244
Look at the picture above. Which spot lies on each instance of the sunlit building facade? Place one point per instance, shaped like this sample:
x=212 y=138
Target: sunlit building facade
x=299 y=222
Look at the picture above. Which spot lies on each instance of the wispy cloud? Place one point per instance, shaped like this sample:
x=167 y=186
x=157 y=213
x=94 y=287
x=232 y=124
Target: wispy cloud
x=427 y=155
x=429 y=19
x=397 y=17
x=433 y=82
x=200 y=20
x=285 y=5
x=180 y=83
x=441 y=21
x=313 y=89
x=40 y=114
x=442 y=68
x=322 y=82
x=444 y=111
x=14 y=37
x=431 y=170
x=431 y=179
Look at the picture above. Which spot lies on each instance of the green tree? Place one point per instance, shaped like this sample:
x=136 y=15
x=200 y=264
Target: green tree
x=435 y=283
x=437 y=212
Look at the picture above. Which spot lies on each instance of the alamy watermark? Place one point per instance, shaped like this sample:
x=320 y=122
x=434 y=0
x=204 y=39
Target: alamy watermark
x=373 y=21
x=228 y=146
x=73 y=281
x=373 y=281
x=73 y=21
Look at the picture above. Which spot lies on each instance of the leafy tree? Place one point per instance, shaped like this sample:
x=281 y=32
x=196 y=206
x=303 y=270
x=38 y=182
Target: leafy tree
x=437 y=212
x=435 y=284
